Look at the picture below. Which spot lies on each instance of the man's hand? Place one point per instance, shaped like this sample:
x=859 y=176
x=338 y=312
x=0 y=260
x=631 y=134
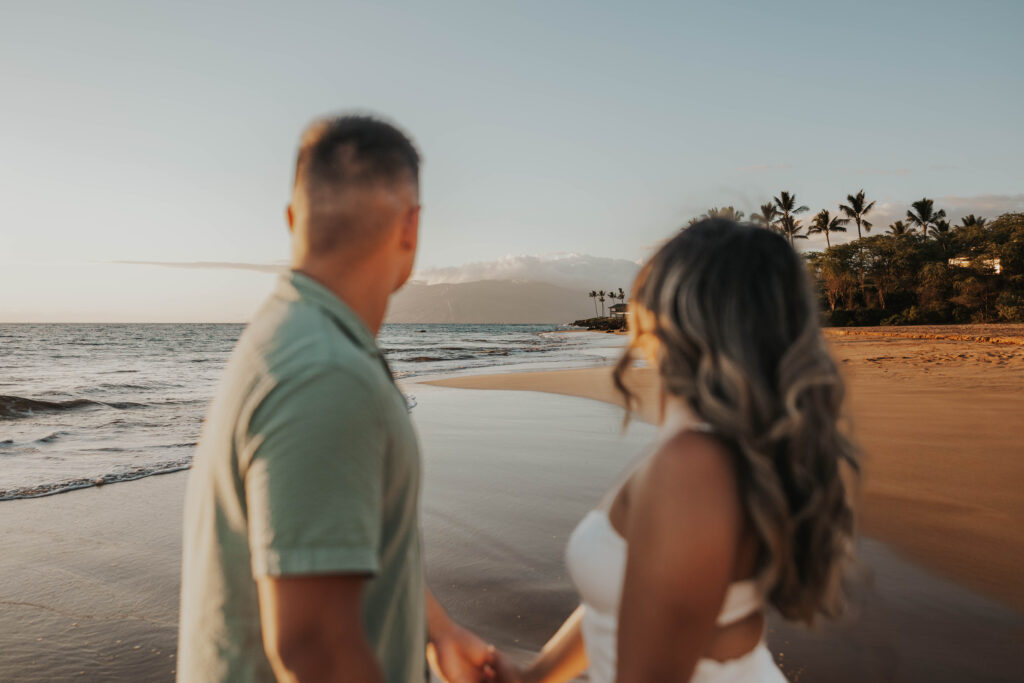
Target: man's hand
x=459 y=656
x=505 y=671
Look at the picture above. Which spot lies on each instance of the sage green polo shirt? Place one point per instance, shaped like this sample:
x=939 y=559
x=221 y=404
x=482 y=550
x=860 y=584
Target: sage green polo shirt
x=307 y=464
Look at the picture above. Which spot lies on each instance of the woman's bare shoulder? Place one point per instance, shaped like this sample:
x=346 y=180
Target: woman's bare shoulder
x=691 y=469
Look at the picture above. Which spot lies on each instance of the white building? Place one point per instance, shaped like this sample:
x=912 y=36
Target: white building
x=965 y=262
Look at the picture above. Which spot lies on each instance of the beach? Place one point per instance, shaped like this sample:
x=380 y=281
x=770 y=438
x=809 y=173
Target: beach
x=92 y=575
x=514 y=460
x=940 y=423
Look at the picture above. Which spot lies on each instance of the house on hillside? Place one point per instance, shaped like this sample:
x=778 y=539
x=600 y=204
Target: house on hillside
x=965 y=262
x=619 y=310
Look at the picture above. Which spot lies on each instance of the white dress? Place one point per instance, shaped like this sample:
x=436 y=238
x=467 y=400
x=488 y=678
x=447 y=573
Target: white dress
x=596 y=557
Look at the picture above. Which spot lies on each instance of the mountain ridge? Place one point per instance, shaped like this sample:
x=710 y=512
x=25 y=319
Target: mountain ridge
x=489 y=302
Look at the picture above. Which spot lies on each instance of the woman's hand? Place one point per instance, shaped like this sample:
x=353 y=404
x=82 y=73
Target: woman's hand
x=562 y=658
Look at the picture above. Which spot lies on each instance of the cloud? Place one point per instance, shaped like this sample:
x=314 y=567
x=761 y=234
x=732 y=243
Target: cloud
x=568 y=270
x=214 y=265
x=988 y=205
x=885 y=213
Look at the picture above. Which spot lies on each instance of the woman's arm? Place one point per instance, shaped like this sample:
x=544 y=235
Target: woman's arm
x=563 y=657
x=684 y=525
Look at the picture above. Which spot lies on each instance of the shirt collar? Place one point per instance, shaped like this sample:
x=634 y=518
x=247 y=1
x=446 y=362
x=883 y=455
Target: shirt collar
x=295 y=285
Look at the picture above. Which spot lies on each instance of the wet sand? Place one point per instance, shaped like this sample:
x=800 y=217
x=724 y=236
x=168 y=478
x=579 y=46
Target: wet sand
x=91 y=577
x=941 y=424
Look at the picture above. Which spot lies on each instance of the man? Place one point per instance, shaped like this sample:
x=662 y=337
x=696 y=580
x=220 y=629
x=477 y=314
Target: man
x=302 y=556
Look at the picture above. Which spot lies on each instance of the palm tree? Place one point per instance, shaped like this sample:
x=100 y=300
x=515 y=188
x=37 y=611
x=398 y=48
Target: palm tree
x=924 y=214
x=613 y=296
x=726 y=212
x=790 y=227
x=600 y=297
x=768 y=217
x=857 y=208
x=827 y=224
x=900 y=228
x=593 y=295
x=970 y=220
x=941 y=234
x=786 y=204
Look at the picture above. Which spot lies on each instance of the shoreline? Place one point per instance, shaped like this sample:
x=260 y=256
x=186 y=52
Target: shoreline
x=938 y=421
x=584 y=352
x=1002 y=334
x=94 y=574
x=96 y=483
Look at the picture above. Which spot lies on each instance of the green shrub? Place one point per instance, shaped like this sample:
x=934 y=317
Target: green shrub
x=1010 y=307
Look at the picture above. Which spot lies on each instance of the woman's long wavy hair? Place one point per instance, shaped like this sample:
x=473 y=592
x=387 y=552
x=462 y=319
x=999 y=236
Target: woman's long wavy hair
x=741 y=343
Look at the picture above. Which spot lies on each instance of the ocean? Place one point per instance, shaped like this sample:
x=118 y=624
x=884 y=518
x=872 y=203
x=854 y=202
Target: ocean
x=91 y=404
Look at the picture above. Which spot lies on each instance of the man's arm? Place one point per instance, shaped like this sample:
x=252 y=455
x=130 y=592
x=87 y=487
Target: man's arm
x=313 y=629
x=312 y=459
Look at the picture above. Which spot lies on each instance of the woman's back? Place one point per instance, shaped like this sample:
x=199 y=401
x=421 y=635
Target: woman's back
x=597 y=557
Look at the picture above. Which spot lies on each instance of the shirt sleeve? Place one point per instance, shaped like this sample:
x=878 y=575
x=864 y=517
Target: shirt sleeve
x=313 y=485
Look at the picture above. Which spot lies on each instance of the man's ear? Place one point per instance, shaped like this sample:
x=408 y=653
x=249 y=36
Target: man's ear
x=410 y=231
x=290 y=215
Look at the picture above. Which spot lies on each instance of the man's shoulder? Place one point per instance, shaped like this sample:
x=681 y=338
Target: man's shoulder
x=293 y=339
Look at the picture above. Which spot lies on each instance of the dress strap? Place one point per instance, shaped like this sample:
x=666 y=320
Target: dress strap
x=742 y=599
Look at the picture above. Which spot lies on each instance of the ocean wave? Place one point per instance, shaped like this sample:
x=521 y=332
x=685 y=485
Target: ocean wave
x=413 y=349
x=120 y=449
x=50 y=438
x=18 y=406
x=136 y=386
x=53 y=488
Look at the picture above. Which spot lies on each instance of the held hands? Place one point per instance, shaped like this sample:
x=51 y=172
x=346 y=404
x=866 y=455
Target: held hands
x=459 y=656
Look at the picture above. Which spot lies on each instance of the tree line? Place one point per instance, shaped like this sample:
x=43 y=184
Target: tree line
x=600 y=295
x=922 y=270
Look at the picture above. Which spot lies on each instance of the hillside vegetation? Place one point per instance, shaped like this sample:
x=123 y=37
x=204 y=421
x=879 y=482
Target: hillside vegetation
x=965 y=274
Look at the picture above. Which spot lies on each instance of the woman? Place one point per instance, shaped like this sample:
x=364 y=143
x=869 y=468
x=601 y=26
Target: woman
x=741 y=505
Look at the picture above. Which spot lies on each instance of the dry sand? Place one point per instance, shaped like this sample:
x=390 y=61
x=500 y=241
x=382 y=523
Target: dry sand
x=941 y=422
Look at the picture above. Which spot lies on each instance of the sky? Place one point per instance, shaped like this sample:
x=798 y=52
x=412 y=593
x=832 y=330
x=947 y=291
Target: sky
x=553 y=133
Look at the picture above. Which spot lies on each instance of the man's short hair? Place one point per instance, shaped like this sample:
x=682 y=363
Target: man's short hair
x=345 y=153
x=353 y=150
